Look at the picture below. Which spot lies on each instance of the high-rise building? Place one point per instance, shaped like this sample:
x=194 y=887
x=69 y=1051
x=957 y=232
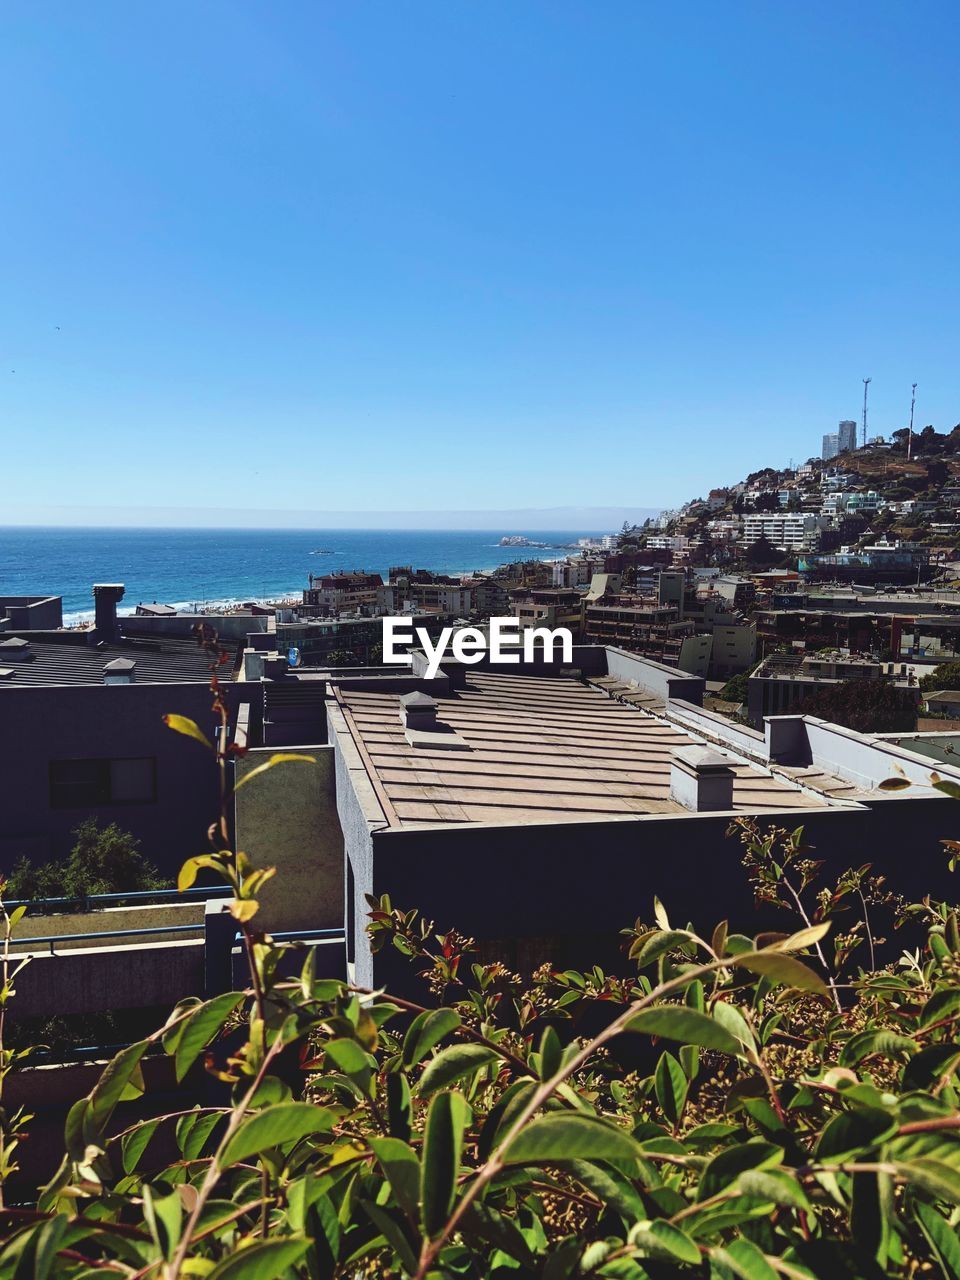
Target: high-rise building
x=831 y=446
x=847 y=436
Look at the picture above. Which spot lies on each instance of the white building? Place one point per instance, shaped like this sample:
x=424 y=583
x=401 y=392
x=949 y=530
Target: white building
x=788 y=531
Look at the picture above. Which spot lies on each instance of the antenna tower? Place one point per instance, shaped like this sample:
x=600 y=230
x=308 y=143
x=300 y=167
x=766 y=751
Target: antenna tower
x=866 y=383
x=913 y=401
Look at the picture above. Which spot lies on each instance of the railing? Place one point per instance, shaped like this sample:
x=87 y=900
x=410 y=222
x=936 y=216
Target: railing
x=93 y=938
x=137 y=897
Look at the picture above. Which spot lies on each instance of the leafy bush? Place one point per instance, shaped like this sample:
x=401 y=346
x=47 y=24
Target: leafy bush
x=728 y=1107
x=946 y=676
x=102 y=860
x=740 y=1111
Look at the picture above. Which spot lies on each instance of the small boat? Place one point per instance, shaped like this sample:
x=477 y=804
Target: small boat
x=322 y=551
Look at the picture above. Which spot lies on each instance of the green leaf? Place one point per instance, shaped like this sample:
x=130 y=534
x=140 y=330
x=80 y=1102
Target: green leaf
x=928 y=1066
x=670 y=1084
x=263 y=1260
x=657 y=945
x=17 y=914
x=281 y=757
x=563 y=1135
x=188 y=727
x=455 y=1063
x=611 y=1187
x=134 y=1143
x=942 y=1238
x=275 y=1126
x=730 y=1164
x=936 y=1177
x=402 y=1170
x=495 y=1228
x=551 y=1053
x=941 y=1005
x=399 y=1105
x=803 y=938
x=853 y=1132
x=192 y=867
x=393 y=1233
x=164 y=1218
x=201 y=1027
x=868 y=1043
x=745 y=1260
x=348 y=1056
x=774 y=1184
x=200 y=1131
x=662 y=1239
x=442 y=1144
x=426 y=1031
x=39 y=1249
x=786 y=970
x=689 y=1026
x=116 y=1076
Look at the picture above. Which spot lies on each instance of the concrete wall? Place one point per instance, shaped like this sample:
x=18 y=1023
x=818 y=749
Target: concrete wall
x=232 y=627
x=96 y=979
x=38 y=613
x=563 y=892
x=662 y=681
x=38 y=725
x=287 y=818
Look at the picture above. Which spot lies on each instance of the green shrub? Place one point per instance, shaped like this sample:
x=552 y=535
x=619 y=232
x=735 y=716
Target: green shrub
x=102 y=860
x=742 y=1107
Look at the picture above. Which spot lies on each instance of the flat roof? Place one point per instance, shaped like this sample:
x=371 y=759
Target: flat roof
x=540 y=750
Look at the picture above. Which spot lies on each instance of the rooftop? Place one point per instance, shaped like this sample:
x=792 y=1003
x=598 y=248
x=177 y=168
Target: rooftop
x=166 y=661
x=539 y=750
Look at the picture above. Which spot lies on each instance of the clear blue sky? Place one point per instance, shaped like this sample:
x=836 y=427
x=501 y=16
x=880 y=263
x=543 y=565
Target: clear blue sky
x=449 y=254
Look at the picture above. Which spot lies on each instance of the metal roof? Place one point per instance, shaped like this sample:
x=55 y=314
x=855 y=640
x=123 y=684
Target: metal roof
x=539 y=750
x=166 y=661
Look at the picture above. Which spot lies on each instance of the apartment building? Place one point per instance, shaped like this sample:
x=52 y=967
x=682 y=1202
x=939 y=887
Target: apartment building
x=788 y=531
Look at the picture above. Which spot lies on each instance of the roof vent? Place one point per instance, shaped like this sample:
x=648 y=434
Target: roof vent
x=418 y=711
x=15 y=650
x=120 y=671
x=701 y=780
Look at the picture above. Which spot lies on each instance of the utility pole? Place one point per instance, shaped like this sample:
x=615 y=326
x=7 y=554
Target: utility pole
x=913 y=401
x=866 y=383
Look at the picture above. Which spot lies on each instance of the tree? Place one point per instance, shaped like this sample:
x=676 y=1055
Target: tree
x=946 y=676
x=868 y=706
x=102 y=860
x=762 y=553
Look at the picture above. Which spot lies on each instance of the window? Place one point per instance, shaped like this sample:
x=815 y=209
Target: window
x=78 y=784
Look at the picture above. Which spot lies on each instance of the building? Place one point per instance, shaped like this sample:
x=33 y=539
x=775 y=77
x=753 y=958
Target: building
x=847 y=436
x=82 y=735
x=330 y=594
x=787 y=531
x=782 y=683
x=31 y=613
x=943 y=702
x=830 y=447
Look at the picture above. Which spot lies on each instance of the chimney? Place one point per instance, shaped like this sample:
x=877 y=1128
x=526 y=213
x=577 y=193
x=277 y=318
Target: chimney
x=120 y=671
x=106 y=595
x=701 y=780
x=418 y=711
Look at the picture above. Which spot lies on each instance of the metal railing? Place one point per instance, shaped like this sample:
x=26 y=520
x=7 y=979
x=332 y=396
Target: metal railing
x=51 y=940
x=137 y=897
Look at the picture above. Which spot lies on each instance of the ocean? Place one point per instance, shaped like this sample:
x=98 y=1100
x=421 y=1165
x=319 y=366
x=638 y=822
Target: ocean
x=184 y=567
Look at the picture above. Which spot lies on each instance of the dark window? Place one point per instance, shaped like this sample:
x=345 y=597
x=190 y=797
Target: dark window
x=78 y=784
